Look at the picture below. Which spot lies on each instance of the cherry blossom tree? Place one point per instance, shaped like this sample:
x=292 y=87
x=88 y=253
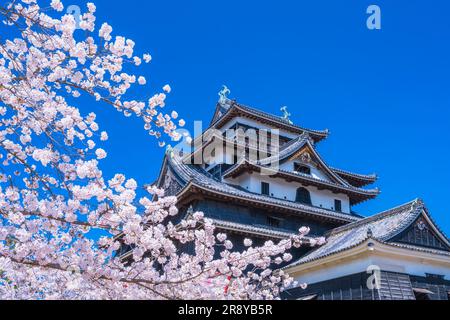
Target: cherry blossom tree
x=61 y=220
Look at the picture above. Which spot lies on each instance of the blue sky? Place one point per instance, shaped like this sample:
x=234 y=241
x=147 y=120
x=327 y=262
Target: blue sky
x=383 y=94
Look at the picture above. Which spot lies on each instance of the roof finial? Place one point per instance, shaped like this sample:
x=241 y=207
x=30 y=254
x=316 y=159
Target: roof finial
x=286 y=114
x=223 y=95
x=369 y=233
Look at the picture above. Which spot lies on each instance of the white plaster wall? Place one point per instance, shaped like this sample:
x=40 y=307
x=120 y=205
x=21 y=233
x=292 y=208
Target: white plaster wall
x=284 y=190
x=416 y=267
x=243 y=181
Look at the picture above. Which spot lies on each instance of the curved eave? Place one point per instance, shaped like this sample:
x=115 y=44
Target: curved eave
x=250 y=113
x=417 y=208
x=356 y=179
x=375 y=217
x=305 y=260
x=356 y=195
x=194 y=190
x=377 y=247
x=251 y=230
x=410 y=213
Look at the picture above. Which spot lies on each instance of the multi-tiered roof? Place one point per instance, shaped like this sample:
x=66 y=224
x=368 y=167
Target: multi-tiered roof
x=191 y=182
x=386 y=228
x=232 y=109
x=338 y=182
x=402 y=240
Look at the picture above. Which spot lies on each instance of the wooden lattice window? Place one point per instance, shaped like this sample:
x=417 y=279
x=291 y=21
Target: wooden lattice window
x=265 y=188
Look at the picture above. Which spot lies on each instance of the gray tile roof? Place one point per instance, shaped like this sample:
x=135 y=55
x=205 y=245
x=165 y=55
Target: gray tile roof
x=349 y=187
x=364 y=178
x=421 y=249
x=233 y=105
x=198 y=176
x=382 y=227
x=292 y=147
x=270 y=232
x=254 y=111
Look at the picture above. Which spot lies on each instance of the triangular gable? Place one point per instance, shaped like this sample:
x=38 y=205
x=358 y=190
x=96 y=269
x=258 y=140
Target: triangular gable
x=170 y=184
x=308 y=155
x=423 y=232
x=219 y=112
x=162 y=172
x=168 y=179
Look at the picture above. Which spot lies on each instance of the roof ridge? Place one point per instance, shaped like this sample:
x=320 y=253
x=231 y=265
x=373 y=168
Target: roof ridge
x=278 y=118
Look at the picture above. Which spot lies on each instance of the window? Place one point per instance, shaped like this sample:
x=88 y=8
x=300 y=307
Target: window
x=303 y=196
x=265 y=188
x=338 y=205
x=273 y=222
x=302 y=169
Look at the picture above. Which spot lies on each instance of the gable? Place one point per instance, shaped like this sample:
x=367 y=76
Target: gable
x=422 y=233
x=309 y=158
x=218 y=113
x=170 y=184
x=168 y=179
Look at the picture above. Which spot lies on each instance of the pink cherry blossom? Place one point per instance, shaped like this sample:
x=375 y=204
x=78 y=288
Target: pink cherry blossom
x=100 y=153
x=54 y=195
x=142 y=80
x=147 y=58
x=57 y=5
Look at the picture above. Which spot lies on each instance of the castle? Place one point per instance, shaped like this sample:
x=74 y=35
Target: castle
x=270 y=181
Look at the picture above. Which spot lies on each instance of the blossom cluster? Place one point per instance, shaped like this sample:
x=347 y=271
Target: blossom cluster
x=62 y=222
